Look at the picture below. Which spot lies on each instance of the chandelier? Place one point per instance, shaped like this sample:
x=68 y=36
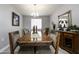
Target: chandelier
x=35 y=11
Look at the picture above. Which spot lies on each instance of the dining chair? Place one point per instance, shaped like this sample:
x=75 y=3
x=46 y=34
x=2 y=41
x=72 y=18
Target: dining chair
x=13 y=36
x=56 y=41
x=25 y=31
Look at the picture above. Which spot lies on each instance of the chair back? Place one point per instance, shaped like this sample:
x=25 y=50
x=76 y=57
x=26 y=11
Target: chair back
x=57 y=43
x=13 y=36
x=25 y=31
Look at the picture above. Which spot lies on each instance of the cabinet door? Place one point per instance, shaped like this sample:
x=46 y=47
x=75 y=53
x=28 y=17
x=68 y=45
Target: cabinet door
x=76 y=44
x=68 y=42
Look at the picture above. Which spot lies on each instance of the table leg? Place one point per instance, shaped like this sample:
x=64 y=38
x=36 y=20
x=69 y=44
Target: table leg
x=34 y=49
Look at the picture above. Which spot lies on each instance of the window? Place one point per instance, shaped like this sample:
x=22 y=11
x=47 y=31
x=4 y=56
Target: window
x=38 y=23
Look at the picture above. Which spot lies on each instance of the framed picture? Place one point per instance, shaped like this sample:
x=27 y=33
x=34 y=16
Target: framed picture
x=15 y=19
x=65 y=20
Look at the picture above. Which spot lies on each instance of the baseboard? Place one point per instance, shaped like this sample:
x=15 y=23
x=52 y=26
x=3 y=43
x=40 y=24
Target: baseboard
x=4 y=48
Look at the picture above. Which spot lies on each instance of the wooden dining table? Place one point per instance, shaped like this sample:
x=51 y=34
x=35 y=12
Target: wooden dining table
x=28 y=40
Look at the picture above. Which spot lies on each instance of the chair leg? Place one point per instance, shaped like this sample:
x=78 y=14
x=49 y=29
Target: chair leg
x=56 y=52
x=12 y=52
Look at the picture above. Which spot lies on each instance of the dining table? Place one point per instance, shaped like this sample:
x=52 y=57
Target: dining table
x=35 y=40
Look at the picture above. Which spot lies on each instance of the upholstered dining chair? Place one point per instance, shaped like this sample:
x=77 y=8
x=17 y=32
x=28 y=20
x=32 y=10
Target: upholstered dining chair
x=56 y=40
x=25 y=31
x=13 y=36
x=57 y=43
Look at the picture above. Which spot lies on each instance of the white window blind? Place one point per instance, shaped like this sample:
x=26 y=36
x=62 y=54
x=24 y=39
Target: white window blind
x=36 y=22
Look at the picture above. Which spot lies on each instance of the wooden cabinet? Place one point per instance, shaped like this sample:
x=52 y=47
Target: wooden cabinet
x=69 y=41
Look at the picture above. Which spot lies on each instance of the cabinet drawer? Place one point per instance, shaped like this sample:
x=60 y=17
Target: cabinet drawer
x=68 y=35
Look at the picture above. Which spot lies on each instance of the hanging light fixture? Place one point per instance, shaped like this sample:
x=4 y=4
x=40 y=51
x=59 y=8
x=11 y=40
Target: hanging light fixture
x=34 y=13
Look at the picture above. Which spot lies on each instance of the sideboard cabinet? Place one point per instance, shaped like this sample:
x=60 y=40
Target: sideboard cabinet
x=69 y=41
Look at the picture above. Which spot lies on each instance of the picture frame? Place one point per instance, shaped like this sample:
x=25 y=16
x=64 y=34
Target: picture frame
x=66 y=15
x=65 y=21
x=15 y=19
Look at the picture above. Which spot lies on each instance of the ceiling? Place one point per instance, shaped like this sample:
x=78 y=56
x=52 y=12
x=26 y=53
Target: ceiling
x=42 y=9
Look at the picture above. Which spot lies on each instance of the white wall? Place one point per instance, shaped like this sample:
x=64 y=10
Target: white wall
x=64 y=8
x=6 y=24
x=27 y=21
